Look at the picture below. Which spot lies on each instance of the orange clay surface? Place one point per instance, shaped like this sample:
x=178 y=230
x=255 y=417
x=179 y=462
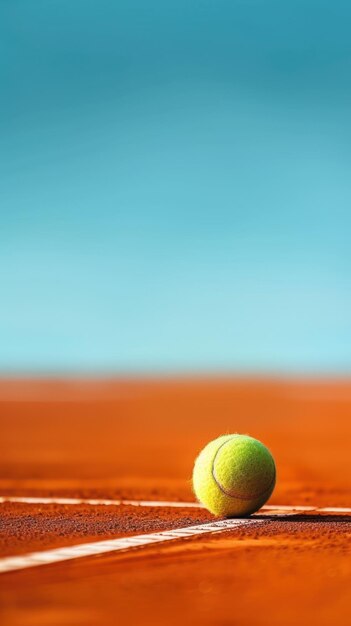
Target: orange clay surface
x=137 y=440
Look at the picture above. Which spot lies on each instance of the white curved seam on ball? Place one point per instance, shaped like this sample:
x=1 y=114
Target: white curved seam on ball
x=230 y=494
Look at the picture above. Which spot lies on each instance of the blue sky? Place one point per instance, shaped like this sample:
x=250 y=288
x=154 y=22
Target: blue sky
x=175 y=186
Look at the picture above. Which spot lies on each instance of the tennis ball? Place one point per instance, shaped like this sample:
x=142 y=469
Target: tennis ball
x=234 y=475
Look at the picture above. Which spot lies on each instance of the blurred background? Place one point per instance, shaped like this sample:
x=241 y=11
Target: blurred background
x=175 y=186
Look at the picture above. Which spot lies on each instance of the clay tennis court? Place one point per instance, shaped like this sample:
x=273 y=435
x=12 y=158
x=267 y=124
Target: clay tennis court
x=98 y=520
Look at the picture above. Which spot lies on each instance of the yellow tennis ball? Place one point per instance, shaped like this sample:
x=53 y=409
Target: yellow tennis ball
x=234 y=475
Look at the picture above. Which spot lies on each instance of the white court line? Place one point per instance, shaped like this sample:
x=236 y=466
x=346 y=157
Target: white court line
x=316 y=509
x=159 y=503
x=96 y=502
x=100 y=547
x=330 y=509
x=10 y=564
